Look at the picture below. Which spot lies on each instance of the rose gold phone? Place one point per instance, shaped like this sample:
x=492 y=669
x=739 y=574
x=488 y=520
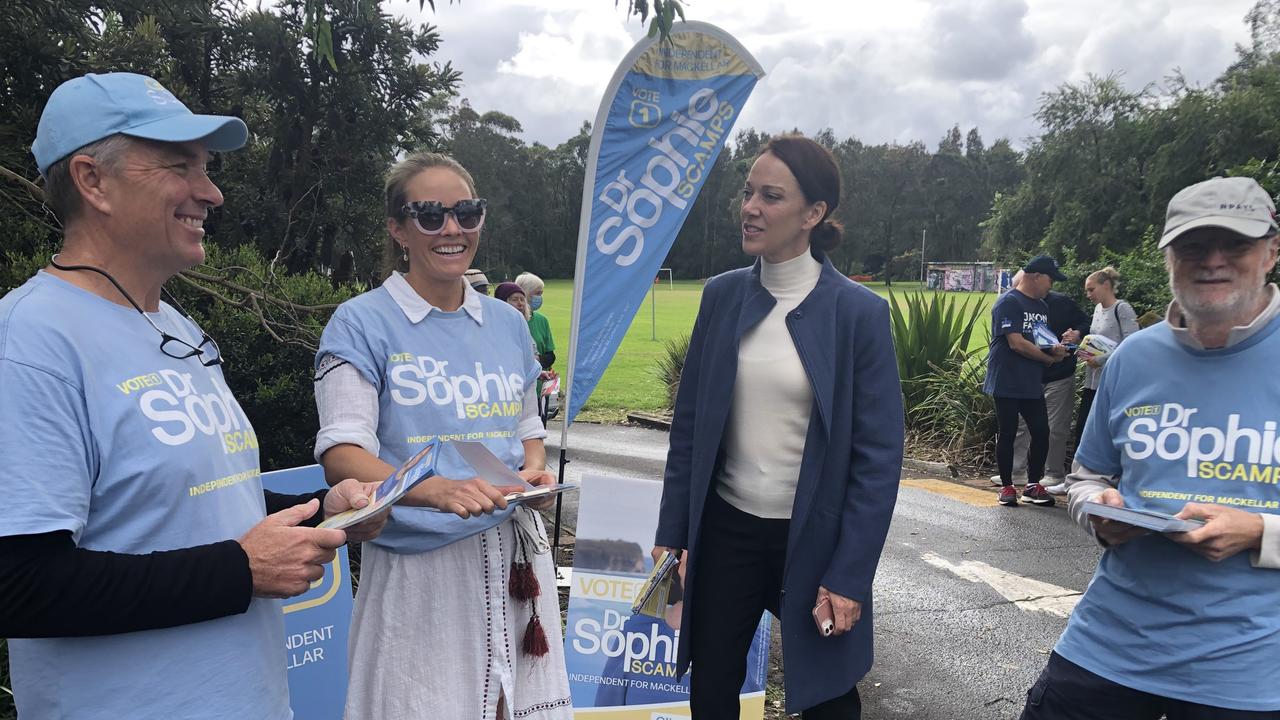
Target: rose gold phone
x=823 y=617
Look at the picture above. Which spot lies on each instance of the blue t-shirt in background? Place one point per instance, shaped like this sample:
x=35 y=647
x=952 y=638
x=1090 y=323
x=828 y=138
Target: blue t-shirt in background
x=447 y=376
x=1179 y=425
x=1008 y=373
x=131 y=451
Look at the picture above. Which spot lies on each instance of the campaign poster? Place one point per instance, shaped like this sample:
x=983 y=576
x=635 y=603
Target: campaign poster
x=317 y=622
x=663 y=120
x=622 y=666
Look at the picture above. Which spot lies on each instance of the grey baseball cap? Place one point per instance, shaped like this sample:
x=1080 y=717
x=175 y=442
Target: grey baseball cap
x=1238 y=204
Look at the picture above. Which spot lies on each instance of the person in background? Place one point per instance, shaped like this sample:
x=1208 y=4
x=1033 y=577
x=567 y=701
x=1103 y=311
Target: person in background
x=786 y=450
x=1015 y=369
x=513 y=295
x=1184 y=626
x=141 y=561
x=1070 y=323
x=1112 y=318
x=477 y=280
x=539 y=328
x=456 y=617
x=544 y=344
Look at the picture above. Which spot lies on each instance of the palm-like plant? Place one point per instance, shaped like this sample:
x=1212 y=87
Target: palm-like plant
x=933 y=332
x=671 y=364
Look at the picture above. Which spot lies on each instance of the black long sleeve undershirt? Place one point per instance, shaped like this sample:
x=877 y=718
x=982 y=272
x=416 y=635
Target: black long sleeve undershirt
x=51 y=588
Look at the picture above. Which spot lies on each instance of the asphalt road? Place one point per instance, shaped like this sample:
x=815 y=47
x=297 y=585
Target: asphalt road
x=970 y=596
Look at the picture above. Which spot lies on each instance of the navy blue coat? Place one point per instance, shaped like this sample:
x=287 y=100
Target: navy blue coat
x=849 y=474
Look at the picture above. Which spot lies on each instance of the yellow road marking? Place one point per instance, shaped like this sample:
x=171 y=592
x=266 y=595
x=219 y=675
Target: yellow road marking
x=955 y=491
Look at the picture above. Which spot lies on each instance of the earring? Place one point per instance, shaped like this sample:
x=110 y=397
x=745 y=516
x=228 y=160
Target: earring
x=404 y=253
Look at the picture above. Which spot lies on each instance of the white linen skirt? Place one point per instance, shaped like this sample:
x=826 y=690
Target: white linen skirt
x=437 y=635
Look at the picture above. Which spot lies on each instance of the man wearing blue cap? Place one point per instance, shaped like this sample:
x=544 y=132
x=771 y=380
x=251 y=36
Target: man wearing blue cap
x=1015 y=366
x=1185 y=625
x=137 y=556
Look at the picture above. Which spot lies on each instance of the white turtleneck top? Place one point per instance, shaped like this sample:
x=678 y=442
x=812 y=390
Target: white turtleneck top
x=772 y=401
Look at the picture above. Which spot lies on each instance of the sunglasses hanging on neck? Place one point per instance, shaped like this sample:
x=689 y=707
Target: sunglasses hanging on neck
x=207 y=352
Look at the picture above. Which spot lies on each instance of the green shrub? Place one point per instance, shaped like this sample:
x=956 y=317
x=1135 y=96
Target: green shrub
x=1144 y=281
x=934 y=330
x=954 y=416
x=671 y=364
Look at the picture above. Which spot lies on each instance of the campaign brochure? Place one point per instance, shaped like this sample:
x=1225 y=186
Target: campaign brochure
x=540 y=492
x=416 y=469
x=1045 y=338
x=1093 y=347
x=492 y=470
x=1149 y=519
x=487 y=465
x=652 y=600
x=524 y=496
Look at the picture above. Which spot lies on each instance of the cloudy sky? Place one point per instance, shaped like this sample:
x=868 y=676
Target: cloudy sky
x=880 y=70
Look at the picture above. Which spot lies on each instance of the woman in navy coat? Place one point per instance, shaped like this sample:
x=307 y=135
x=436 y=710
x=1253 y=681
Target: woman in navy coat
x=786 y=449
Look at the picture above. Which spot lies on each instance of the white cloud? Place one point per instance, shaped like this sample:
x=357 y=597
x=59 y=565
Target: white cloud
x=878 y=70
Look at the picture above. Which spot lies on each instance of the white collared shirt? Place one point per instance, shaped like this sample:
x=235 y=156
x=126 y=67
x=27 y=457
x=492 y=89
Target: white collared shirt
x=416 y=307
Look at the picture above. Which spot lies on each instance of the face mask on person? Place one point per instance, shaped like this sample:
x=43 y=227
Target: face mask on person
x=535 y=302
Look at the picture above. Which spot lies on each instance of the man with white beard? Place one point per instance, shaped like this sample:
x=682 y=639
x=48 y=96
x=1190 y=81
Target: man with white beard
x=1185 y=625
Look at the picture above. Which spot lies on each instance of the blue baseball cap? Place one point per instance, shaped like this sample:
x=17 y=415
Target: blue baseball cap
x=87 y=109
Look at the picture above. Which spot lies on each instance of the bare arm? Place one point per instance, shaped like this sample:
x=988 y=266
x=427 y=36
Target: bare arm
x=352 y=461
x=465 y=498
x=535 y=454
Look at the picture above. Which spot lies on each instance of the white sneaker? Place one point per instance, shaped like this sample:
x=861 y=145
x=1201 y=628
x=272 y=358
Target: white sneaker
x=1057 y=488
x=995 y=480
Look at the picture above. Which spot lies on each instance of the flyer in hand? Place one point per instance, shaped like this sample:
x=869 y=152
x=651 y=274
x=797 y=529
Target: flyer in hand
x=652 y=598
x=1046 y=339
x=1093 y=347
x=1149 y=519
x=1043 y=336
x=538 y=493
x=491 y=469
x=413 y=471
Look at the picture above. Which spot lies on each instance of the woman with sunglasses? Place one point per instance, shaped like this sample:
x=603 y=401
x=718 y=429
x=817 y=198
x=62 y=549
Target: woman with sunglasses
x=457 y=614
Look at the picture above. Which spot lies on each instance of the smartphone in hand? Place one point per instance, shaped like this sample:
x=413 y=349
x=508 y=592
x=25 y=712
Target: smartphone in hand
x=823 y=617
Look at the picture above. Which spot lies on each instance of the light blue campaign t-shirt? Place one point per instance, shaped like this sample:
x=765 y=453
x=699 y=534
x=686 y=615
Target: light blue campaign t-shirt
x=447 y=376
x=134 y=452
x=1180 y=425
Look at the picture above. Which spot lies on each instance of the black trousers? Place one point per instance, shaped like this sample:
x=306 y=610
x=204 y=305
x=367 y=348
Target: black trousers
x=1036 y=414
x=738 y=577
x=1086 y=405
x=1066 y=691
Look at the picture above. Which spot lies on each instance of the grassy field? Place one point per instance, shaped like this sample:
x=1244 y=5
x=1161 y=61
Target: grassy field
x=630 y=383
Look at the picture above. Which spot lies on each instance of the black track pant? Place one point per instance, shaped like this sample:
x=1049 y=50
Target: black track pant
x=1036 y=415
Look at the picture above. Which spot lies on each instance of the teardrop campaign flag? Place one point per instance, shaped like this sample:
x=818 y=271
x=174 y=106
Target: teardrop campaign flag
x=663 y=121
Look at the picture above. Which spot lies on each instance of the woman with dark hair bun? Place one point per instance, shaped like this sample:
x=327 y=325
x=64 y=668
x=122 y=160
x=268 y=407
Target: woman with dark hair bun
x=786 y=447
